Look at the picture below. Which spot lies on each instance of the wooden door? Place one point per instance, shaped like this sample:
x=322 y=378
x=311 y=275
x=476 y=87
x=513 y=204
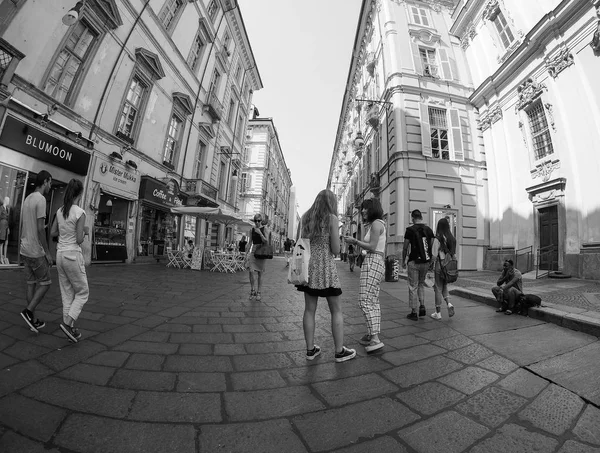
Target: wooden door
x=548 y=238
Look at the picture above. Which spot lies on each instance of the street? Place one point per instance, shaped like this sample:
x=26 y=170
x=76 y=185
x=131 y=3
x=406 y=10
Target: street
x=177 y=360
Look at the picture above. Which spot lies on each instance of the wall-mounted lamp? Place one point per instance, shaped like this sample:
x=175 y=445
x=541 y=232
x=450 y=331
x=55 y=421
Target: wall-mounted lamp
x=234 y=176
x=73 y=15
x=109 y=203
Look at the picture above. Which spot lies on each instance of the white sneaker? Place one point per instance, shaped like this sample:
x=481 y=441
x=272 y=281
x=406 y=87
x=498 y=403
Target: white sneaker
x=436 y=315
x=450 y=309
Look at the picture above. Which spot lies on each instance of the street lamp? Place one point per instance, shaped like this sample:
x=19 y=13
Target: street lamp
x=73 y=15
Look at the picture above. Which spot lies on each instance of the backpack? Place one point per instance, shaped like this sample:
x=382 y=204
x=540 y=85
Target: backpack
x=423 y=245
x=449 y=268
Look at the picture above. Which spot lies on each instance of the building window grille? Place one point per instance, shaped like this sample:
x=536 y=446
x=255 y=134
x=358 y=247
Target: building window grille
x=429 y=60
x=172 y=143
x=66 y=67
x=170 y=13
x=419 y=16
x=196 y=52
x=504 y=31
x=131 y=108
x=5 y=59
x=540 y=132
x=439 y=133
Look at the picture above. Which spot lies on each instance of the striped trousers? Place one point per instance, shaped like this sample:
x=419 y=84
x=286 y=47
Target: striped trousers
x=371 y=275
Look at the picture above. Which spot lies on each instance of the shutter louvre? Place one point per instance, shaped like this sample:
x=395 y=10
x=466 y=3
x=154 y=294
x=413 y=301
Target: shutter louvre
x=446 y=71
x=456 y=136
x=417 y=59
x=425 y=131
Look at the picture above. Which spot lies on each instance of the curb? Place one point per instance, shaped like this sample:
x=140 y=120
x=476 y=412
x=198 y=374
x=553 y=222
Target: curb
x=551 y=313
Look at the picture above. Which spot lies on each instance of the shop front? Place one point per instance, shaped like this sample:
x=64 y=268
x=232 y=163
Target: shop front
x=158 y=228
x=115 y=188
x=25 y=150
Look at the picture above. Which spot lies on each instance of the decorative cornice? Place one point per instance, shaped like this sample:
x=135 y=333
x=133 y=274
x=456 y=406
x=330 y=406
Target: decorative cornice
x=560 y=62
x=528 y=92
x=544 y=169
x=425 y=36
x=490 y=117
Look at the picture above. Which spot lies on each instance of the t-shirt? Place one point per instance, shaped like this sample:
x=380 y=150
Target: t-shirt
x=350 y=249
x=34 y=208
x=242 y=246
x=67 y=229
x=415 y=248
x=256 y=239
x=287 y=246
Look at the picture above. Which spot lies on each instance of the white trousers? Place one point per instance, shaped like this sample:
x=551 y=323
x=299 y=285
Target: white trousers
x=72 y=278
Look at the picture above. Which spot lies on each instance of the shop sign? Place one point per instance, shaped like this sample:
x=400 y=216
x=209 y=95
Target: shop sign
x=160 y=193
x=116 y=175
x=33 y=142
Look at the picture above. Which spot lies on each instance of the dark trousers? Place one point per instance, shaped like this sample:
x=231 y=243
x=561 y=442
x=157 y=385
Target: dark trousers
x=506 y=298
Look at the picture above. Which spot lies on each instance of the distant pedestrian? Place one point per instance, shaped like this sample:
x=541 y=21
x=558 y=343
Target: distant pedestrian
x=34 y=248
x=351 y=256
x=443 y=244
x=242 y=244
x=69 y=226
x=418 y=240
x=508 y=287
x=287 y=251
x=320 y=224
x=257 y=237
x=372 y=271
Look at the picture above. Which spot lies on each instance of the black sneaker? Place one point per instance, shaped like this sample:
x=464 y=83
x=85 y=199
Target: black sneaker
x=34 y=324
x=413 y=316
x=422 y=311
x=312 y=355
x=346 y=354
x=71 y=332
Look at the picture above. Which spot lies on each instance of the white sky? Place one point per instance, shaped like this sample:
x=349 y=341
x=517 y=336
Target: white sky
x=302 y=49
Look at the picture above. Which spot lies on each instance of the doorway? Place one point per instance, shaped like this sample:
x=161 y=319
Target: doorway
x=548 y=227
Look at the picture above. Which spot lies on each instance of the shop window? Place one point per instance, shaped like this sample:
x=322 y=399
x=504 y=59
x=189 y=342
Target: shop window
x=419 y=16
x=173 y=141
x=429 y=62
x=170 y=13
x=213 y=8
x=540 y=130
x=70 y=63
x=441 y=133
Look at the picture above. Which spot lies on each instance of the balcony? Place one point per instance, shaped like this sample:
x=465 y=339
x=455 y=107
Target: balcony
x=201 y=189
x=214 y=107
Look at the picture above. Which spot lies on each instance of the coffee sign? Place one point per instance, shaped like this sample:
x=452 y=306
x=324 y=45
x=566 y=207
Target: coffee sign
x=33 y=142
x=160 y=193
x=117 y=176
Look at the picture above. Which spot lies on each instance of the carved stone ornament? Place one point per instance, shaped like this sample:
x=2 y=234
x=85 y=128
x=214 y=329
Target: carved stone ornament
x=523 y=134
x=491 y=10
x=528 y=92
x=550 y=111
x=425 y=36
x=560 y=62
x=490 y=117
x=545 y=169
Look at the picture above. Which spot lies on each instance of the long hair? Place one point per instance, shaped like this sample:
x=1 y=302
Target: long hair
x=374 y=209
x=74 y=189
x=318 y=214
x=445 y=236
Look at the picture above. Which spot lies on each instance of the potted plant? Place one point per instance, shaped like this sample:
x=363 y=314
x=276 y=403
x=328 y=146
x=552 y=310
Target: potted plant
x=373 y=116
x=115 y=155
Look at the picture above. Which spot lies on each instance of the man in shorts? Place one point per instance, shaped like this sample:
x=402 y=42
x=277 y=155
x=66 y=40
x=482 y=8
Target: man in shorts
x=34 y=248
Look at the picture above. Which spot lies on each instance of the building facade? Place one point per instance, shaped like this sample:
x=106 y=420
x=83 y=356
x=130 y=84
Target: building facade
x=535 y=69
x=142 y=100
x=407 y=132
x=266 y=180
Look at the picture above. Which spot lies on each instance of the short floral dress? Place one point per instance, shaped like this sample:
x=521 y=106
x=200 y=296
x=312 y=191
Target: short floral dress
x=323 y=279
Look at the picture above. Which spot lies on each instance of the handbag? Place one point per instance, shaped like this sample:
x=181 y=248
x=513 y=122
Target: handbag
x=298 y=270
x=263 y=252
x=449 y=268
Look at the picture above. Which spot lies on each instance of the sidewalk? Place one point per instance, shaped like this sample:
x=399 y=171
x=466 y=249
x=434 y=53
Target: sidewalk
x=181 y=361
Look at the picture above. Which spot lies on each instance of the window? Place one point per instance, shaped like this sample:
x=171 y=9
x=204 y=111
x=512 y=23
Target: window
x=540 y=132
x=199 y=159
x=214 y=83
x=231 y=112
x=240 y=128
x=67 y=67
x=238 y=73
x=439 y=133
x=429 y=61
x=226 y=42
x=504 y=31
x=222 y=181
x=419 y=16
x=173 y=140
x=244 y=183
x=131 y=108
x=170 y=13
x=212 y=9
x=196 y=52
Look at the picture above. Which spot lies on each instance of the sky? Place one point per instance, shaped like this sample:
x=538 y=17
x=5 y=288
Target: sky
x=303 y=50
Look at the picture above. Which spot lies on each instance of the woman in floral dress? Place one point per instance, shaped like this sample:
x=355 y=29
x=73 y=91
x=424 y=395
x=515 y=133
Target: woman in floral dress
x=320 y=224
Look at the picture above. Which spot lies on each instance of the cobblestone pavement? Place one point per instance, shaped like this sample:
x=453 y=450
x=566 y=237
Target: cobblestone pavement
x=181 y=361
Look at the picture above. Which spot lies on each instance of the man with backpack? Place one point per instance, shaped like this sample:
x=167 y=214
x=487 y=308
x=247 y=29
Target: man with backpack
x=418 y=239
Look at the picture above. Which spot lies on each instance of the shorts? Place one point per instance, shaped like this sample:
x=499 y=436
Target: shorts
x=37 y=270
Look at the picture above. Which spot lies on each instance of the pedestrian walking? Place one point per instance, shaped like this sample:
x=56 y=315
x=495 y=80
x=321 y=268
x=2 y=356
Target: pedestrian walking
x=257 y=237
x=444 y=243
x=418 y=240
x=69 y=226
x=321 y=226
x=34 y=248
x=351 y=256
x=287 y=251
x=372 y=271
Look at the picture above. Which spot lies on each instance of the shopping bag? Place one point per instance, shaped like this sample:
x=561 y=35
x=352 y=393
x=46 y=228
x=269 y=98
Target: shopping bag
x=298 y=270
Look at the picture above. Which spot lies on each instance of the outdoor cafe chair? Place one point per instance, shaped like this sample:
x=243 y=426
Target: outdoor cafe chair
x=175 y=258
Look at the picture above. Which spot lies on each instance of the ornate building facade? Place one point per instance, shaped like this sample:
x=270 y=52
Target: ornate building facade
x=535 y=69
x=407 y=132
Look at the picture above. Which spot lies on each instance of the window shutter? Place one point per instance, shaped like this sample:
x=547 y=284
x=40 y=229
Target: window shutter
x=456 y=143
x=425 y=131
x=417 y=58
x=445 y=61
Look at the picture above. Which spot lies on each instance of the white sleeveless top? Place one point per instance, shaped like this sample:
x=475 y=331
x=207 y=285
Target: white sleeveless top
x=67 y=229
x=381 y=242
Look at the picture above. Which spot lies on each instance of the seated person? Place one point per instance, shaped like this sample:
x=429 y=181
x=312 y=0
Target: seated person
x=189 y=248
x=508 y=288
